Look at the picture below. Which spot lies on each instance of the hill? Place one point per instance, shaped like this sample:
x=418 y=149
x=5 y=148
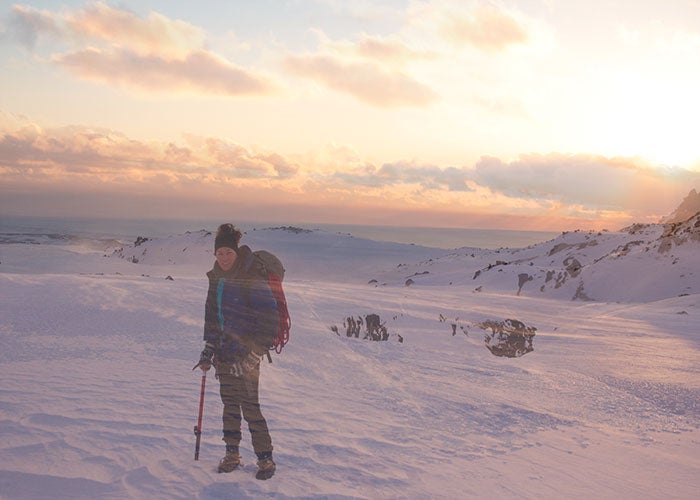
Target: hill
x=640 y=263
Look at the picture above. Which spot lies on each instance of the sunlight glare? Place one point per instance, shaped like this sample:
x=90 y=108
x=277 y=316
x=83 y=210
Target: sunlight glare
x=651 y=119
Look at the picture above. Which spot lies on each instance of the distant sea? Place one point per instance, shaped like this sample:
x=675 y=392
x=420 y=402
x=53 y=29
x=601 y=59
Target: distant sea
x=106 y=232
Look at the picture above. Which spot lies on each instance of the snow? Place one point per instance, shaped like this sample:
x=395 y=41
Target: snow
x=99 y=399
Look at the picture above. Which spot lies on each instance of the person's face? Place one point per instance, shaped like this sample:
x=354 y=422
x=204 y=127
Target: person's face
x=226 y=257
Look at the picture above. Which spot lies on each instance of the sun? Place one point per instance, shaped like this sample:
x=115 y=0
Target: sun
x=652 y=119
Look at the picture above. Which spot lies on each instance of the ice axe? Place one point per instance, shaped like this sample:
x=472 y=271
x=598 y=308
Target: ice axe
x=198 y=427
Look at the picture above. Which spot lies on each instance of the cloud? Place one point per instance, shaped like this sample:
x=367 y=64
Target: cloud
x=26 y=24
x=154 y=34
x=227 y=155
x=97 y=22
x=199 y=71
x=389 y=50
x=73 y=170
x=579 y=189
x=427 y=177
x=107 y=156
x=612 y=191
x=363 y=80
x=151 y=53
x=372 y=69
x=487 y=28
x=590 y=181
x=609 y=191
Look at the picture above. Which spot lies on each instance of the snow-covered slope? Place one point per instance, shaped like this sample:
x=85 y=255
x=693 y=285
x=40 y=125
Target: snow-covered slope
x=99 y=399
x=306 y=254
x=640 y=263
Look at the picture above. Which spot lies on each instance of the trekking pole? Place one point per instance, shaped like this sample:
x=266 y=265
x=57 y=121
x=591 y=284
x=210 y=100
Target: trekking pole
x=198 y=427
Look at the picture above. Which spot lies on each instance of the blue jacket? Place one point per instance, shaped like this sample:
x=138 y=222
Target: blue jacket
x=240 y=312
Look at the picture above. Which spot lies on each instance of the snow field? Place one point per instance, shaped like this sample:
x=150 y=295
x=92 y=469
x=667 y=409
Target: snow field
x=99 y=399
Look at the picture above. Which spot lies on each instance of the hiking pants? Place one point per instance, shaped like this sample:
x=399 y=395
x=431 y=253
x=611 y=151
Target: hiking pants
x=240 y=397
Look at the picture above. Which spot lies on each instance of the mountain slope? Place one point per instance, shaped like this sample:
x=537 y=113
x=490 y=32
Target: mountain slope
x=688 y=207
x=637 y=264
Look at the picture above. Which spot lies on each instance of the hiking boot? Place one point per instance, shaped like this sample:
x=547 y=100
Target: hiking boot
x=266 y=468
x=230 y=462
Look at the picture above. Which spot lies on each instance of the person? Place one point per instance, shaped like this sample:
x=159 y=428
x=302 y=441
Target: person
x=240 y=324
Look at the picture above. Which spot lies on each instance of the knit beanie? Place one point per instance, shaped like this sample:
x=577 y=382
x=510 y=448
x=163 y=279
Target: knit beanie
x=227 y=236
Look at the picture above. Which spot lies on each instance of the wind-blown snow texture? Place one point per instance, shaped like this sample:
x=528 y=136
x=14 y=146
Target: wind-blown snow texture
x=99 y=400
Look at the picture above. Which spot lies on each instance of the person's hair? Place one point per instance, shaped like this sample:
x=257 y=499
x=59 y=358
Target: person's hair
x=228 y=236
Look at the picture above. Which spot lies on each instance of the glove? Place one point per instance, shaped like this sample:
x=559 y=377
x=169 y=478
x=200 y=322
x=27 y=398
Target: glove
x=205 y=358
x=251 y=361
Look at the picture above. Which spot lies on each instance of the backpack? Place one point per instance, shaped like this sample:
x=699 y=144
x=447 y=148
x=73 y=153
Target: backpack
x=272 y=269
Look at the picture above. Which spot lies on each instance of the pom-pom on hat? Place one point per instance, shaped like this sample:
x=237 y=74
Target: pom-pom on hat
x=227 y=236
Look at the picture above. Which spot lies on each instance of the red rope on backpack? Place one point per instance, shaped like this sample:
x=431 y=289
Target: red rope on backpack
x=285 y=323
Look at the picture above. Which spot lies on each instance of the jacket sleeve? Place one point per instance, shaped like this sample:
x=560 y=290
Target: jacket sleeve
x=263 y=303
x=212 y=329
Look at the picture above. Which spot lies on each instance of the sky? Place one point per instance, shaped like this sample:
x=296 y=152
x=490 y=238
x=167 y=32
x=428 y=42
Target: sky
x=520 y=114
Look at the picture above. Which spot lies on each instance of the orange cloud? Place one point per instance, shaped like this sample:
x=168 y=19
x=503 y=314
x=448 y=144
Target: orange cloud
x=108 y=156
x=206 y=173
x=154 y=34
x=387 y=50
x=199 y=71
x=391 y=49
x=487 y=28
x=365 y=81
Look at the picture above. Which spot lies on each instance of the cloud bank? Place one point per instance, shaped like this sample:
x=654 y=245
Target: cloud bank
x=36 y=162
x=33 y=154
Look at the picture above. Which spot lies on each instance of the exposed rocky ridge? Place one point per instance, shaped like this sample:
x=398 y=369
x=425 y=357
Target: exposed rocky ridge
x=687 y=209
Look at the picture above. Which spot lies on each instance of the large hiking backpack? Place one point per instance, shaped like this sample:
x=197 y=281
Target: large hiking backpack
x=272 y=269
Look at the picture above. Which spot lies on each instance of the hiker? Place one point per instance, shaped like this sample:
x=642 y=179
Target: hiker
x=240 y=325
